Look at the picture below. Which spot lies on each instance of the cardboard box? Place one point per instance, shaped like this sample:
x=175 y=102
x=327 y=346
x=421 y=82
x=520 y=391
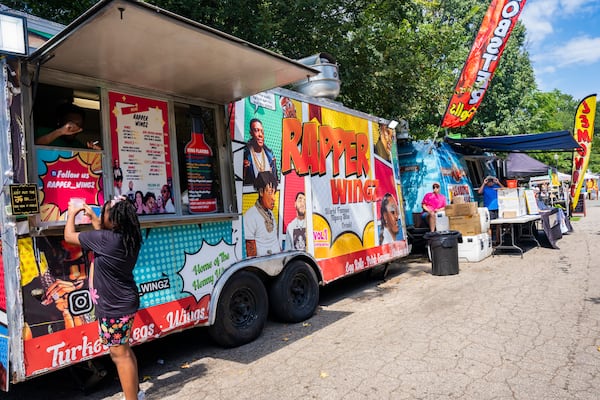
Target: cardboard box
x=458 y=210
x=467 y=225
x=458 y=200
x=508 y=214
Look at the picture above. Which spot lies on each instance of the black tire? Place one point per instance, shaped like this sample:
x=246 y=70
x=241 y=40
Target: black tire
x=294 y=295
x=242 y=310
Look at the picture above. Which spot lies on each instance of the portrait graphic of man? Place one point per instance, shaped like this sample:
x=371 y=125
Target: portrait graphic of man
x=257 y=156
x=260 y=228
x=383 y=147
x=389 y=219
x=296 y=229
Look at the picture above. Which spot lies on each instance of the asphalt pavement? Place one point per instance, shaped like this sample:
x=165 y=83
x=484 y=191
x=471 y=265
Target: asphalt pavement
x=503 y=328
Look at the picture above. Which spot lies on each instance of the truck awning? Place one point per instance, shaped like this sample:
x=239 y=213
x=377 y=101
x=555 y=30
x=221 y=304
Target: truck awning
x=548 y=141
x=134 y=43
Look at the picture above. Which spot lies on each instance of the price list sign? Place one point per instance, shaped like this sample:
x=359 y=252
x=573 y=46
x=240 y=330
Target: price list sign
x=142 y=163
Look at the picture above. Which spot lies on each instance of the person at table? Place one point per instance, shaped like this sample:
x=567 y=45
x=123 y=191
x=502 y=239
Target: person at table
x=489 y=189
x=432 y=202
x=560 y=214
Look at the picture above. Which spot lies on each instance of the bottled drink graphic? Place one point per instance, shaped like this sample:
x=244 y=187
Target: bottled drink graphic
x=198 y=159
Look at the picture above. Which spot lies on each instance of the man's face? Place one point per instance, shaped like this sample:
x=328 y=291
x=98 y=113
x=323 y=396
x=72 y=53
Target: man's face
x=267 y=197
x=75 y=118
x=391 y=217
x=301 y=205
x=257 y=132
x=386 y=138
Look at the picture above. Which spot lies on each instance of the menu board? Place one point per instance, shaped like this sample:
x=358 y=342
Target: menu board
x=141 y=157
x=532 y=207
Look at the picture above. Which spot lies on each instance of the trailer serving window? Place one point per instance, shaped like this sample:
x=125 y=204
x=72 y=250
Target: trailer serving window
x=67 y=133
x=67 y=117
x=160 y=154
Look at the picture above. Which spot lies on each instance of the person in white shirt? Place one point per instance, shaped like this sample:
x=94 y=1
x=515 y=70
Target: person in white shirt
x=296 y=229
x=389 y=219
x=260 y=227
x=167 y=199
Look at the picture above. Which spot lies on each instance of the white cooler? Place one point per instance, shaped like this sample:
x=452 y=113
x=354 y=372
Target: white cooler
x=475 y=248
x=484 y=216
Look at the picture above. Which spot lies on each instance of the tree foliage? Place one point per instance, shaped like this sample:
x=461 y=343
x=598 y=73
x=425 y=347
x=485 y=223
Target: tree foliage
x=396 y=59
x=63 y=12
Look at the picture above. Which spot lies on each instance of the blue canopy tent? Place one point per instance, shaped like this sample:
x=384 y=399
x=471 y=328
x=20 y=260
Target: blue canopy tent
x=548 y=141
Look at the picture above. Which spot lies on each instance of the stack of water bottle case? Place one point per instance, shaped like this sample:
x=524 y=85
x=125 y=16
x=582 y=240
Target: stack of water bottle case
x=473 y=223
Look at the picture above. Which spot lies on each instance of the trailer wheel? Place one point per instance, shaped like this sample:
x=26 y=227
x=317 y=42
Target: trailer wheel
x=242 y=310
x=294 y=295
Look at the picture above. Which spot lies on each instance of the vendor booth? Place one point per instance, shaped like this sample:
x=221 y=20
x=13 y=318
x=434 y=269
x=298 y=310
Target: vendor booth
x=521 y=166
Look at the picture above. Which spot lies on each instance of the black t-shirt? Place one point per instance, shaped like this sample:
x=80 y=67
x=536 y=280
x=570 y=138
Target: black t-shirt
x=113 y=274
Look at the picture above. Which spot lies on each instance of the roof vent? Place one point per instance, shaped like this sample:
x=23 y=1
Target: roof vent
x=326 y=83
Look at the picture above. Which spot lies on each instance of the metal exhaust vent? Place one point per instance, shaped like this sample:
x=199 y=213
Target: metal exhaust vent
x=326 y=83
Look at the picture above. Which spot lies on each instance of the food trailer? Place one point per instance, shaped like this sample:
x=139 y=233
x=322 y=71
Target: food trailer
x=185 y=122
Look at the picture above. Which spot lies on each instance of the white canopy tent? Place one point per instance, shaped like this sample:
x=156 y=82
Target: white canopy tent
x=561 y=177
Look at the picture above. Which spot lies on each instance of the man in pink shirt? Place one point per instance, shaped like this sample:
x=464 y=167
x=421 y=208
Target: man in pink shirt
x=432 y=202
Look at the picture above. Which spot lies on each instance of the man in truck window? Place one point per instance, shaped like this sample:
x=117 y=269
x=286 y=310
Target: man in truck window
x=257 y=156
x=260 y=227
x=69 y=124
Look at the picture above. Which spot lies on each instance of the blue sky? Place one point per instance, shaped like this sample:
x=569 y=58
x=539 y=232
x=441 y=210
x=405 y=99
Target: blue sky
x=563 y=40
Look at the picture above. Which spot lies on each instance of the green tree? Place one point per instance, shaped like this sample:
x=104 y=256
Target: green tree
x=397 y=59
x=61 y=11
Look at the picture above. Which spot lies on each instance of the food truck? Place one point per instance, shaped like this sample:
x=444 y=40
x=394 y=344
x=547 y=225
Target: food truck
x=423 y=163
x=249 y=196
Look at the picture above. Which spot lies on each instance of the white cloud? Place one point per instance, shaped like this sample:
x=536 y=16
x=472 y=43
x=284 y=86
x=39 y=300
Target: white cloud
x=563 y=40
x=575 y=6
x=537 y=17
x=581 y=50
x=540 y=16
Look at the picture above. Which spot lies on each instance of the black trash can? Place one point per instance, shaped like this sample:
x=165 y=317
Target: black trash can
x=443 y=248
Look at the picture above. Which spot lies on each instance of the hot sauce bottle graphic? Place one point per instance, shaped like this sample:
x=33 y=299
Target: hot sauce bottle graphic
x=198 y=161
